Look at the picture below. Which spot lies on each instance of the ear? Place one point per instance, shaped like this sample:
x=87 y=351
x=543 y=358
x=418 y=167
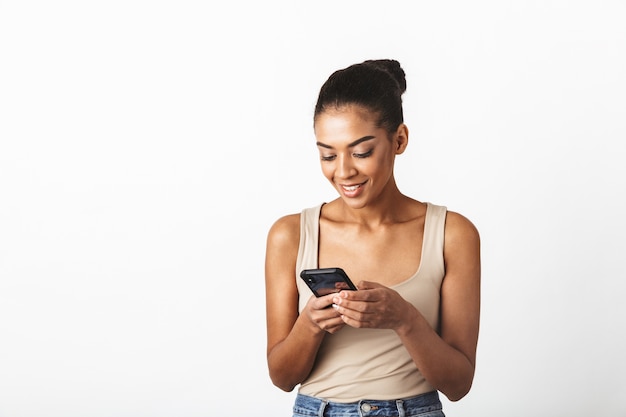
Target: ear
x=401 y=138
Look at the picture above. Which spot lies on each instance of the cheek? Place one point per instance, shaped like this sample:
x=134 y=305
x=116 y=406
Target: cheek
x=379 y=169
x=377 y=163
x=387 y=159
x=327 y=170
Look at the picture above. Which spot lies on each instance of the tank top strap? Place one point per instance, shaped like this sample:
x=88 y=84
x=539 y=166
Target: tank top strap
x=308 y=247
x=432 y=262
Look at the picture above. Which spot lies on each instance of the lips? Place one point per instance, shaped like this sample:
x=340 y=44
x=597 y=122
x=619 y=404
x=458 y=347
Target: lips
x=352 y=190
x=350 y=187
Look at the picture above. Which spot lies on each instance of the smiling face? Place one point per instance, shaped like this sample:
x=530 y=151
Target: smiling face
x=357 y=157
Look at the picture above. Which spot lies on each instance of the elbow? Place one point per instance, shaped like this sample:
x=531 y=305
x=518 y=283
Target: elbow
x=456 y=383
x=281 y=377
x=285 y=387
x=284 y=377
x=456 y=393
x=282 y=383
x=456 y=397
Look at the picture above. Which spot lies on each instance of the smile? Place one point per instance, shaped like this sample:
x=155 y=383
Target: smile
x=350 y=187
x=352 y=190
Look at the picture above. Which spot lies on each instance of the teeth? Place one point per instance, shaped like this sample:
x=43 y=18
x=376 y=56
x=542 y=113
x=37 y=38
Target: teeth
x=351 y=188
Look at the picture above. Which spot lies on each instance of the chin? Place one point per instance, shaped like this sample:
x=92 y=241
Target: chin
x=354 y=203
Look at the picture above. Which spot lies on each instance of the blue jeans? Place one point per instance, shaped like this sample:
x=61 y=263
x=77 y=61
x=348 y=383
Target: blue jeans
x=424 y=405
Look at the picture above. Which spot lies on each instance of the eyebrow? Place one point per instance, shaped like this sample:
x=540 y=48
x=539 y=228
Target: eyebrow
x=350 y=145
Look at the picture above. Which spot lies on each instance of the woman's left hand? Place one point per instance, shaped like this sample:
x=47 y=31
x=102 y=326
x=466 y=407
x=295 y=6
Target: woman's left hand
x=373 y=306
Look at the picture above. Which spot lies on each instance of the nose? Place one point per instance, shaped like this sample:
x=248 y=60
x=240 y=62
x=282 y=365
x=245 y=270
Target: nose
x=345 y=167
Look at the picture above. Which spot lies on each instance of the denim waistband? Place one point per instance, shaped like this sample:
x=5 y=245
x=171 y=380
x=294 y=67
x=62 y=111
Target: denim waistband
x=427 y=405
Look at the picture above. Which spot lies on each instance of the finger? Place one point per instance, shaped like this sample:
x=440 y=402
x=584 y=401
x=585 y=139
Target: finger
x=355 y=313
x=335 y=329
x=355 y=319
x=368 y=285
x=332 y=325
x=323 y=302
x=347 y=298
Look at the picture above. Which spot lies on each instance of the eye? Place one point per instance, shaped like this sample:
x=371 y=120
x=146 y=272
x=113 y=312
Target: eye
x=328 y=158
x=363 y=155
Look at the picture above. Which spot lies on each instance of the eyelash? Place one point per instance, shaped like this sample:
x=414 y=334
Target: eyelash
x=356 y=155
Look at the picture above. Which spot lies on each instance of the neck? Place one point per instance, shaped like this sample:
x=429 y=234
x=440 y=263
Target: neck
x=388 y=208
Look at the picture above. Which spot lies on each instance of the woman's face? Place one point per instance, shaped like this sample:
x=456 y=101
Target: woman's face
x=357 y=157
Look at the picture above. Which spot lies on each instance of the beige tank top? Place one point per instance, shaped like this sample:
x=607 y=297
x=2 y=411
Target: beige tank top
x=355 y=364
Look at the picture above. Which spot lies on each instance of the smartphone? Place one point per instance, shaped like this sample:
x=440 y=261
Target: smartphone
x=326 y=280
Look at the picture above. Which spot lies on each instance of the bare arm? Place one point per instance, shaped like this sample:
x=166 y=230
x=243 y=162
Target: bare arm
x=447 y=360
x=292 y=339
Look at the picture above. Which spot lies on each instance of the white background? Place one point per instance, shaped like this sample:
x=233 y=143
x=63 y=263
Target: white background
x=147 y=147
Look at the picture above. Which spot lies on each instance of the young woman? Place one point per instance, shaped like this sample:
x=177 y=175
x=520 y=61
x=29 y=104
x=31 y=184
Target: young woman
x=411 y=328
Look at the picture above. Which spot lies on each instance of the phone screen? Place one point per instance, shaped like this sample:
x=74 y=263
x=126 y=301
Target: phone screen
x=326 y=280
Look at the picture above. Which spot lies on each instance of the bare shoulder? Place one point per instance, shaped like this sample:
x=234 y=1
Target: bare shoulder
x=285 y=232
x=460 y=229
x=283 y=241
x=462 y=243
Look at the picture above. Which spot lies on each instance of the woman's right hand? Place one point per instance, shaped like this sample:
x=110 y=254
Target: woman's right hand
x=322 y=315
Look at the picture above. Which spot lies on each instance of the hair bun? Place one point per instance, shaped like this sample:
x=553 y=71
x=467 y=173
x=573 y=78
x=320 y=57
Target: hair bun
x=393 y=68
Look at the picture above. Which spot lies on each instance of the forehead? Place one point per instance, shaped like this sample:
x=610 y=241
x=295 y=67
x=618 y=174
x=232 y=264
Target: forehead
x=345 y=122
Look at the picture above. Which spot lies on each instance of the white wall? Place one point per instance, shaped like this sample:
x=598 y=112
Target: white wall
x=146 y=148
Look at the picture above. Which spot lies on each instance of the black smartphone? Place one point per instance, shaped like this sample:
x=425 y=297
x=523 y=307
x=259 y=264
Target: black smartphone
x=326 y=280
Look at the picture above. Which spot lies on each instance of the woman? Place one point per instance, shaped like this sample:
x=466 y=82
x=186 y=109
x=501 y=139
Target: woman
x=411 y=328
